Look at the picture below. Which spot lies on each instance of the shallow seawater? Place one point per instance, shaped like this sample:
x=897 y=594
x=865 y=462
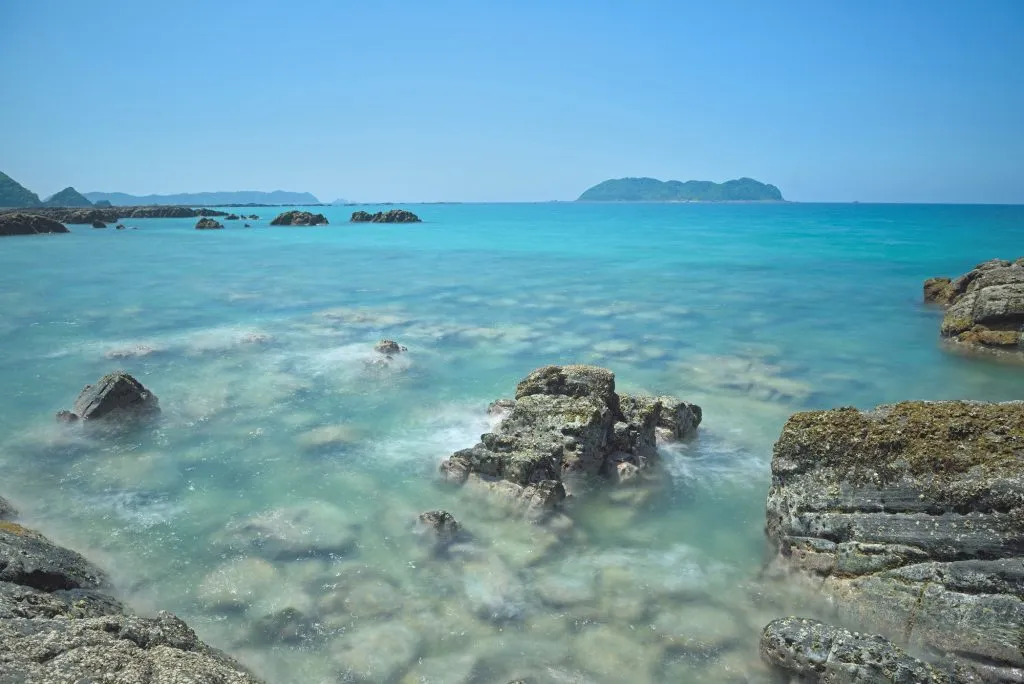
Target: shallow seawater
x=259 y=344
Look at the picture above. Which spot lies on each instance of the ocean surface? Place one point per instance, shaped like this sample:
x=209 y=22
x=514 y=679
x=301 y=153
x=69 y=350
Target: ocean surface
x=276 y=418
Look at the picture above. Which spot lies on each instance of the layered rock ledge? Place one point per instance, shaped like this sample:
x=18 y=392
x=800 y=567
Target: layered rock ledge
x=568 y=421
x=984 y=307
x=912 y=518
x=57 y=624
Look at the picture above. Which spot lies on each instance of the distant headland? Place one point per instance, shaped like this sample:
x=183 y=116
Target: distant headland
x=654 y=190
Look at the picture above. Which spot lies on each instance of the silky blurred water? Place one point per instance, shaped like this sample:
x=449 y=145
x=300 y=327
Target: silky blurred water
x=259 y=344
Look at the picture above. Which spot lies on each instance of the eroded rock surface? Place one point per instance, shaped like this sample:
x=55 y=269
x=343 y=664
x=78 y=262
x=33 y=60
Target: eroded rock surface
x=912 y=516
x=818 y=652
x=985 y=307
x=208 y=224
x=57 y=625
x=28 y=224
x=566 y=420
x=299 y=218
x=116 y=394
x=391 y=216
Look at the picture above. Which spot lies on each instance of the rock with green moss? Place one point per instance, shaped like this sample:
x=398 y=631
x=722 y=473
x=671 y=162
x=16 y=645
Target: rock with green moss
x=912 y=516
x=822 y=653
x=565 y=422
x=985 y=307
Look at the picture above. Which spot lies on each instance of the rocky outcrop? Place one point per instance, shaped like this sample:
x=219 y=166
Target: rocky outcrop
x=99 y=224
x=566 y=420
x=984 y=307
x=391 y=216
x=113 y=214
x=28 y=224
x=818 y=652
x=115 y=395
x=58 y=625
x=912 y=517
x=389 y=347
x=208 y=224
x=231 y=217
x=299 y=218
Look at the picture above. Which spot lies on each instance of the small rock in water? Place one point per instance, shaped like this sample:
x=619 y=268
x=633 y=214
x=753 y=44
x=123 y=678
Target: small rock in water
x=99 y=224
x=391 y=216
x=389 y=347
x=439 y=527
x=116 y=394
x=66 y=416
x=208 y=224
x=299 y=218
x=130 y=352
x=380 y=653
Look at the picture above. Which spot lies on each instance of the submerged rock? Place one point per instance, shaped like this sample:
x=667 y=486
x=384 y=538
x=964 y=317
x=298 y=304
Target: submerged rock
x=208 y=224
x=984 y=307
x=913 y=514
x=310 y=529
x=28 y=224
x=116 y=394
x=67 y=417
x=379 y=653
x=389 y=347
x=566 y=420
x=57 y=626
x=391 y=216
x=299 y=218
x=231 y=217
x=823 y=653
x=440 y=528
x=99 y=224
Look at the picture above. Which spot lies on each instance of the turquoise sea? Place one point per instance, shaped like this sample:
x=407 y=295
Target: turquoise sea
x=259 y=344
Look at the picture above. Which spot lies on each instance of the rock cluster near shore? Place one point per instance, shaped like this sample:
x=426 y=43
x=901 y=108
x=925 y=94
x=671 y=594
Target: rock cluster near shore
x=568 y=421
x=912 y=518
x=391 y=216
x=299 y=218
x=28 y=224
x=984 y=307
x=57 y=624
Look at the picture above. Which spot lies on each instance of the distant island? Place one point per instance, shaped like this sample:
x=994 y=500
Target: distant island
x=240 y=197
x=654 y=190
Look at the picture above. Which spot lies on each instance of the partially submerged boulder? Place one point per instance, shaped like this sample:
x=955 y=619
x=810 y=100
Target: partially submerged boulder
x=29 y=224
x=99 y=224
x=391 y=216
x=117 y=395
x=208 y=224
x=566 y=420
x=389 y=347
x=985 y=307
x=912 y=517
x=299 y=218
x=819 y=652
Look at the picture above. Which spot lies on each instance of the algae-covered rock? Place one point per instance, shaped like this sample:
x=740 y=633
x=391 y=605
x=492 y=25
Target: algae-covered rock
x=565 y=421
x=914 y=515
x=391 y=216
x=823 y=653
x=985 y=307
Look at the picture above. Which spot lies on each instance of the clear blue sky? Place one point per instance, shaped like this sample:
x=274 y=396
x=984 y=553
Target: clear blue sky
x=878 y=100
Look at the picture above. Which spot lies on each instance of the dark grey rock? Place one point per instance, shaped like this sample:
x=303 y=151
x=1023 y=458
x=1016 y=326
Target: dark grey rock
x=299 y=218
x=28 y=224
x=819 y=652
x=30 y=559
x=7 y=511
x=99 y=224
x=66 y=417
x=914 y=516
x=208 y=224
x=391 y=216
x=440 y=528
x=116 y=394
x=17 y=601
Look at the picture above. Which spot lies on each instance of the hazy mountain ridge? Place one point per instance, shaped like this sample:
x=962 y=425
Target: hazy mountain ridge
x=654 y=190
x=120 y=199
x=68 y=197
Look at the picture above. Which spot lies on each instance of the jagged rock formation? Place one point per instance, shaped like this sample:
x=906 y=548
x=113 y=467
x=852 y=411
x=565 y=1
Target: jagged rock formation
x=208 y=224
x=984 y=307
x=28 y=224
x=912 y=516
x=391 y=216
x=567 y=420
x=299 y=218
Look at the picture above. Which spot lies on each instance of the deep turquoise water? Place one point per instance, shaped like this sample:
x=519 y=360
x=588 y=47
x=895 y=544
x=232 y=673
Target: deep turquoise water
x=257 y=343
